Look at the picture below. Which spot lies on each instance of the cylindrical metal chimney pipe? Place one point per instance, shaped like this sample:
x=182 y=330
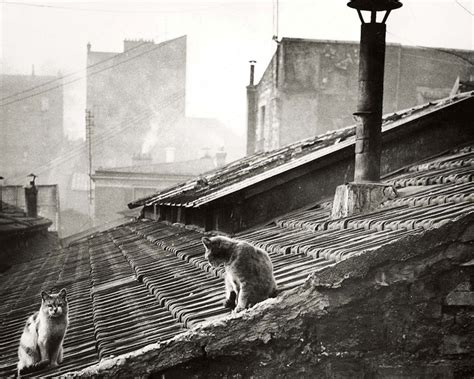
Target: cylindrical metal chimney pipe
x=371 y=71
x=369 y=109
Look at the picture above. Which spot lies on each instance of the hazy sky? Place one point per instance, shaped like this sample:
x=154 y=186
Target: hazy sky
x=223 y=35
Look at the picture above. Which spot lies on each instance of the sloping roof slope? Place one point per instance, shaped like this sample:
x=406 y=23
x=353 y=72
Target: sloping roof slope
x=13 y=221
x=147 y=281
x=256 y=168
x=190 y=167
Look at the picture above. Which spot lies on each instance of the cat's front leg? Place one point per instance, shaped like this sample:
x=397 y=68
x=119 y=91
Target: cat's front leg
x=43 y=352
x=60 y=354
x=242 y=302
x=230 y=294
x=56 y=356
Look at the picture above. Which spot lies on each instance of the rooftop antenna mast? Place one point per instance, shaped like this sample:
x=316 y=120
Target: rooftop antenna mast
x=89 y=127
x=275 y=20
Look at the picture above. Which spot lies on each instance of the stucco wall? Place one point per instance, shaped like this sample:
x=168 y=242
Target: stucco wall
x=32 y=126
x=317 y=86
x=131 y=93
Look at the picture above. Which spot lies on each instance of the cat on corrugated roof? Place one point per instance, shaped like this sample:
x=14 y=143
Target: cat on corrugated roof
x=41 y=343
x=248 y=271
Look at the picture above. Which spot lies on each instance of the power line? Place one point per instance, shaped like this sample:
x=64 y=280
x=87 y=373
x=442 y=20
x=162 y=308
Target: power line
x=88 y=75
x=449 y=52
x=463 y=7
x=105 y=136
x=119 y=11
x=70 y=74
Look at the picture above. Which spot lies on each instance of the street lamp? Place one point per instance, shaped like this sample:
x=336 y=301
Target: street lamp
x=371 y=72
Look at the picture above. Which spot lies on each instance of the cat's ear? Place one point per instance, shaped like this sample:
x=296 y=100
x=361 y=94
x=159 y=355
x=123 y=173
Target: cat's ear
x=44 y=295
x=63 y=293
x=206 y=242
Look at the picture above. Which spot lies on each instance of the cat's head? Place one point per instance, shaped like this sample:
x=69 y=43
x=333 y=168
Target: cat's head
x=218 y=250
x=54 y=304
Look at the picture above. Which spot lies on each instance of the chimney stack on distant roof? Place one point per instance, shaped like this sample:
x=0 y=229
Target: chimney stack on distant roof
x=252 y=72
x=220 y=157
x=89 y=46
x=170 y=154
x=251 y=111
x=31 y=197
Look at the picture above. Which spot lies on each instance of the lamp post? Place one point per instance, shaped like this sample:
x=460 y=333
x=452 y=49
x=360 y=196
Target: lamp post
x=371 y=72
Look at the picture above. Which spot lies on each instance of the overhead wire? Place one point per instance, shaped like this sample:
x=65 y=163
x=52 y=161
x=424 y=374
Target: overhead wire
x=70 y=74
x=100 y=10
x=463 y=7
x=103 y=137
x=89 y=74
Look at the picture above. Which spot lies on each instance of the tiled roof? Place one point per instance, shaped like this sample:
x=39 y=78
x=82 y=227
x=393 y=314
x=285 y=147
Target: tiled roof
x=256 y=168
x=147 y=281
x=13 y=221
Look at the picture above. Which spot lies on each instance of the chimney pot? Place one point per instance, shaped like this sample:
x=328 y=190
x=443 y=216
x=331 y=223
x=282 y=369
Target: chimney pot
x=31 y=198
x=252 y=72
x=220 y=157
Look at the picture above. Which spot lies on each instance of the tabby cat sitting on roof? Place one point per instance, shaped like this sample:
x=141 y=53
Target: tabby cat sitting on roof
x=41 y=343
x=248 y=271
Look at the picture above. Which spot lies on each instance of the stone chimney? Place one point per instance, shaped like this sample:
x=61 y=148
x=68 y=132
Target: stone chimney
x=220 y=157
x=170 y=153
x=251 y=111
x=31 y=198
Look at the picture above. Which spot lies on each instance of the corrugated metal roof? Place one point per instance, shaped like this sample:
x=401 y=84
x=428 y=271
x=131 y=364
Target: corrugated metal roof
x=256 y=168
x=148 y=281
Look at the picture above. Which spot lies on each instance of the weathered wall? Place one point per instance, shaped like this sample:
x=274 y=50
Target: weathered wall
x=317 y=86
x=112 y=194
x=132 y=93
x=404 y=310
x=32 y=128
